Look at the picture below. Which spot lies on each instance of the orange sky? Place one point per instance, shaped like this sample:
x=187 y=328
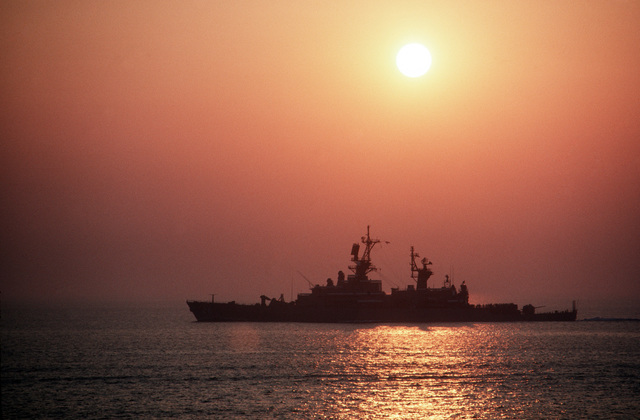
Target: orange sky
x=166 y=150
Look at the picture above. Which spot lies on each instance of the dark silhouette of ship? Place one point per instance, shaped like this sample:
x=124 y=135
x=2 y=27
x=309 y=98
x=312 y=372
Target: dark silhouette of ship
x=357 y=298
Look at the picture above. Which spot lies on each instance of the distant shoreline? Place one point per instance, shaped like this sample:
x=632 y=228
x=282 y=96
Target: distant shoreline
x=610 y=319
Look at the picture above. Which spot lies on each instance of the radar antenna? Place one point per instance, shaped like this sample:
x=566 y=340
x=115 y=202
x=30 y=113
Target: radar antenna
x=363 y=265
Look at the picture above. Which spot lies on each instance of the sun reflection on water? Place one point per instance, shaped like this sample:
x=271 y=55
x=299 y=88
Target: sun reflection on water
x=417 y=372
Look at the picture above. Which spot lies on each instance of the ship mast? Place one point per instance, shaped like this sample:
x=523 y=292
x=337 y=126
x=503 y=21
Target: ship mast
x=420 y=275
x=363 y=265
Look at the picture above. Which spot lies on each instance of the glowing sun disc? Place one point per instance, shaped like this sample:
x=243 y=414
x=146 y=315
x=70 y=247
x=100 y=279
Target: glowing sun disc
x=413 y=60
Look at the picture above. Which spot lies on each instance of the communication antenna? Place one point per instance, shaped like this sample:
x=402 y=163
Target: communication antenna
x=387 y=279
x=305 y=277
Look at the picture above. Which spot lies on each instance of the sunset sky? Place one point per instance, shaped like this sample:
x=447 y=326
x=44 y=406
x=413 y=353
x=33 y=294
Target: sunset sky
x=165 y=150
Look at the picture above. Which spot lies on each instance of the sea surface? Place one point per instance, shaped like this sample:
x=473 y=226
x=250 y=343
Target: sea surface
x=153 y=361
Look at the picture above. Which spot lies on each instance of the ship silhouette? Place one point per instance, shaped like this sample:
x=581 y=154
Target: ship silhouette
x=357 y=298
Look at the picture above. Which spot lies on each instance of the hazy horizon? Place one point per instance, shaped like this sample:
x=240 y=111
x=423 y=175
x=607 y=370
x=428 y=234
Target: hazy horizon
x=165 y=151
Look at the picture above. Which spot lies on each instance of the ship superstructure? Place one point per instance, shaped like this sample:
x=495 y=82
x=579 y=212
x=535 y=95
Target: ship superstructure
x=354 y=298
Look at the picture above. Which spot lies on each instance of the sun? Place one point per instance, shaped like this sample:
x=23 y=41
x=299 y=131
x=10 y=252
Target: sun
x=413 y=60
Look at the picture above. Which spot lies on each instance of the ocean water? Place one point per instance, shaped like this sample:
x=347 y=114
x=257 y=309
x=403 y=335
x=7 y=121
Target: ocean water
x=110 y=361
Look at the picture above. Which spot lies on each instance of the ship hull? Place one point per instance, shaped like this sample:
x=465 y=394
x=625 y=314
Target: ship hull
x=553 y=316
x=370 y=312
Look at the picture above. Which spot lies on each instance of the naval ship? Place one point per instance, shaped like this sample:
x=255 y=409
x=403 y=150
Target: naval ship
x=357 y=298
